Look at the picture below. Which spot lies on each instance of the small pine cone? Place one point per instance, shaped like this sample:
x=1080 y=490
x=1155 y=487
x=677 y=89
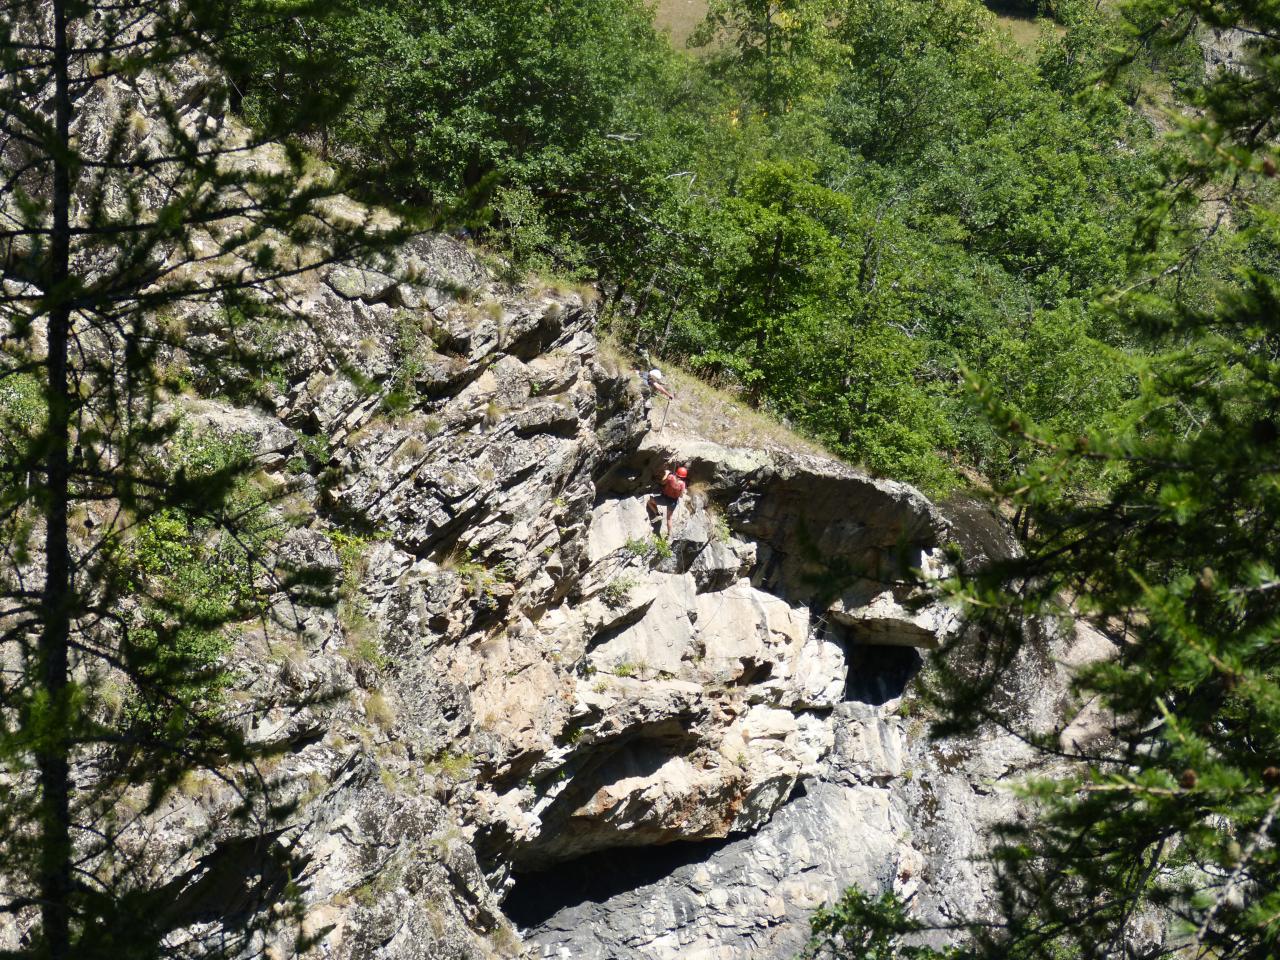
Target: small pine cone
x=1271 y=776
x=1187 y=780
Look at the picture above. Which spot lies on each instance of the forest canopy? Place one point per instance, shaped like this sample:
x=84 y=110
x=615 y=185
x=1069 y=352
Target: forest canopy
x=834 y=206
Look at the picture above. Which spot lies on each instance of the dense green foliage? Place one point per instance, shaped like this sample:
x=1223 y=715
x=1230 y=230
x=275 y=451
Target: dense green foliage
x=23 y=409
x=1178 y=566
x=450 y=101
x=835 y=208
x=194 y=581
x=857 y=926
x=1163 y=839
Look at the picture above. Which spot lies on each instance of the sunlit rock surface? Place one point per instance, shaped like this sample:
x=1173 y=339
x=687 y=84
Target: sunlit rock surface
x=539 y=729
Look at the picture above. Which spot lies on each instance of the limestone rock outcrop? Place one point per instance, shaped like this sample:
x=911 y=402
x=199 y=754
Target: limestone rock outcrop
x=531 y=675
x=537 y=726
x=527 y=703
x=523 y=701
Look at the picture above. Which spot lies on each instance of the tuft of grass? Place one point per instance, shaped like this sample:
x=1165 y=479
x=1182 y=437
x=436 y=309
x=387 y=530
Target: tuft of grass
x=389 y=780
x=411 y=449
x=352 y=552
x=476 y=313
x=398 y=402
x=719 y=523
x=452 y=766
x=379 y=712
x=367 y=650
x=478 y=580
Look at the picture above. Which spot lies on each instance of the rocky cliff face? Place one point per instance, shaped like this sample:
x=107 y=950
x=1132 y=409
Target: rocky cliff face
x=535 y=726
x=558 y=734
x=538 y=728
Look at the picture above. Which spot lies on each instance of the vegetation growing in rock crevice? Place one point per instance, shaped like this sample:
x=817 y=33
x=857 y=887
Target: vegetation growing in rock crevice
x=193 y=582
x=617 y=591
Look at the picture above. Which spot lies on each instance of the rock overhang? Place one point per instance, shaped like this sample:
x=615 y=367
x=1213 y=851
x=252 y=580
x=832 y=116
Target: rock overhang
x=810 y=512
x=776 y=565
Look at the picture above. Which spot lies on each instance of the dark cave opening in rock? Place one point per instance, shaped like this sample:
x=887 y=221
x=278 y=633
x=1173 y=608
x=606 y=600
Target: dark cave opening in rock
x=879 y=672
x=538 y=896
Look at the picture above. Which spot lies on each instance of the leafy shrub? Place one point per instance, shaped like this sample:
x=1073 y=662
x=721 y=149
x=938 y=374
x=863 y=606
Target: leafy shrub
x=649 y=548
x=858 y=927
x=193 y=581
x=478 y=580
x=23 y=410
x=316 y=449
x=617 y=591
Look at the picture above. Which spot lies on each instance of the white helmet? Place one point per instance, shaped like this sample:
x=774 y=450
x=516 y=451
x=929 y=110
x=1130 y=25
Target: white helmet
x=655 y=374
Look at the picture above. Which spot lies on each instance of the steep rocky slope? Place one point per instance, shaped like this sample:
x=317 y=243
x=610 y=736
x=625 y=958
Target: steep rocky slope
x=533 y=727
x=632 y=747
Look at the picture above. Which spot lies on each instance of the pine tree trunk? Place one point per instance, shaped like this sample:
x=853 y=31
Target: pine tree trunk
x=52 y=759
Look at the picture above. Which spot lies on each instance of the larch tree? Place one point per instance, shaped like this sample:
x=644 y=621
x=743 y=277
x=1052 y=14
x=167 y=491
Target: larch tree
x=136 y=219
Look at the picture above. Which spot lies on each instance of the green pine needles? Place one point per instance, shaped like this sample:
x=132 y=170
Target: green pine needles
x=135 y=547
x=1161 y=837
x=1174 y=817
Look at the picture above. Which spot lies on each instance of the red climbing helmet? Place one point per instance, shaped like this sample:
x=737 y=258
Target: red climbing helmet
x=681 y=472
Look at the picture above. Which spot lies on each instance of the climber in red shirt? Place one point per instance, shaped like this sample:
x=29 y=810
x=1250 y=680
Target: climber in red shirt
x=673 y=487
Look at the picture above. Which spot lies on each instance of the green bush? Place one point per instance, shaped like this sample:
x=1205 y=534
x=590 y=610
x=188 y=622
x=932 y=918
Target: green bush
x=859 y=927
x=194 y=581
x=616 y=591
x=23 y=410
